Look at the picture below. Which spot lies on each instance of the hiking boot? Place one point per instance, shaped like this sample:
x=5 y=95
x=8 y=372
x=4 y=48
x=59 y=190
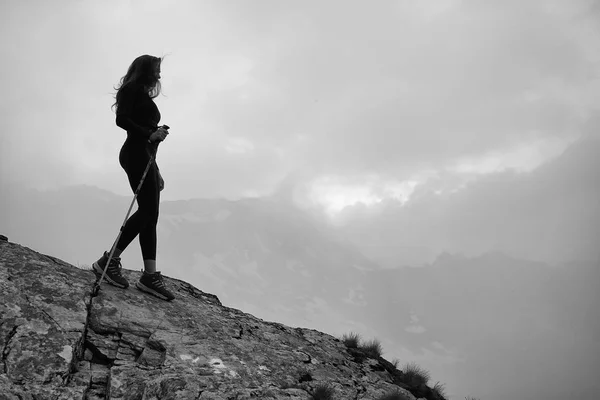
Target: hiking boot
x=113 y=272
x=154 y=284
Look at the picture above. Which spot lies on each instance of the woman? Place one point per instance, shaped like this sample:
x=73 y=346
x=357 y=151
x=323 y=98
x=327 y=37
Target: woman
x=138 y=115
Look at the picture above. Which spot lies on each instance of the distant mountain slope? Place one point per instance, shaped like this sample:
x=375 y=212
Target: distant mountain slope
x=261 y=254
x=505 y=317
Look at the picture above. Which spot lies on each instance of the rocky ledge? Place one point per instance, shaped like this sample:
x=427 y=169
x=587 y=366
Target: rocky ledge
x=59 y=341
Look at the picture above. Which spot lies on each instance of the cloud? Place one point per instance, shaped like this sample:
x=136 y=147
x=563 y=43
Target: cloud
x=397 y=94
x=549 y=214
x=525 y=157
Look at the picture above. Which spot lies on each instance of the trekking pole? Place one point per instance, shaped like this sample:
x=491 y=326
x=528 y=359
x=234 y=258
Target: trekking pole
x=112 y=250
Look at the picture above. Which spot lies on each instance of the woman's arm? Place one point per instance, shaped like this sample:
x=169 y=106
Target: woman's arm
x=125 y=111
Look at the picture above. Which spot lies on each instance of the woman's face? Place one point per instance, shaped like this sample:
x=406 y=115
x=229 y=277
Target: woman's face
x=157 y=71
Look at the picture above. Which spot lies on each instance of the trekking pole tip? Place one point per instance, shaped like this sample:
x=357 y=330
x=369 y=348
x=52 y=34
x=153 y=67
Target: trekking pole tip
x=96 y=288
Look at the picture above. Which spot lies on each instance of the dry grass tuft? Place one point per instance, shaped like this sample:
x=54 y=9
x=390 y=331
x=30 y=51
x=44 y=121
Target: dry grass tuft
x=351 y=340
x=416 y=375
x=323 y=392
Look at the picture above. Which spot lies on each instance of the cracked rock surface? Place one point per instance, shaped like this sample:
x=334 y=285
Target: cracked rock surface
x=60 y=342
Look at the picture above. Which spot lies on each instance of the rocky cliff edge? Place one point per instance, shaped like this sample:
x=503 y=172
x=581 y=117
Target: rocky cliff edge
x=59 y=341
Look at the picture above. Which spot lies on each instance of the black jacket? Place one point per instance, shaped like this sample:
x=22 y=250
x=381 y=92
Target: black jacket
x=137 y=113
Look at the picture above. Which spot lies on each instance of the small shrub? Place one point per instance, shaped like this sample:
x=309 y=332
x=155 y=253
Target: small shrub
x=440 y=390
x=471 y=398
x=415 y=375
x=396 y=395
x=372 y=348
x=351 y=340
x=323 y=392
x=395 y=362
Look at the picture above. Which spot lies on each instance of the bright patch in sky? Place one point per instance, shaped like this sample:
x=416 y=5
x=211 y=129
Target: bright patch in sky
x=336 y=193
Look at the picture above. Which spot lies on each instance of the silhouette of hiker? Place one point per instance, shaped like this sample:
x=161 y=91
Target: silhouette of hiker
x=139 y=116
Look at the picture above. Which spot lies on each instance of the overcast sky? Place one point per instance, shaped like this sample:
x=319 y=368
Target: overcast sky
x=350 y=100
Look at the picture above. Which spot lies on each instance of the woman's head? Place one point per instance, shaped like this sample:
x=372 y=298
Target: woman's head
x=144 y=70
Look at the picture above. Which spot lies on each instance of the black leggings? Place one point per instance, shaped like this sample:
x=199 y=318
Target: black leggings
x=134 y=160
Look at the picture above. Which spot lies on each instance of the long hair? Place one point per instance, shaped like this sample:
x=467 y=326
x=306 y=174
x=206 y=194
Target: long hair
x=141 y=71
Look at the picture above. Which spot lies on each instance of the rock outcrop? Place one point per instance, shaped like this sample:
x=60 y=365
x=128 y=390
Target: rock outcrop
x=59 y=341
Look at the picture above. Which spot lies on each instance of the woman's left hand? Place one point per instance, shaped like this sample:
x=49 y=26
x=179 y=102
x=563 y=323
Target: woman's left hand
x=161 y=182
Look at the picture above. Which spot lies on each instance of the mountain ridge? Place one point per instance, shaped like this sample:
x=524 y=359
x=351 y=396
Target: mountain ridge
x=62 y=340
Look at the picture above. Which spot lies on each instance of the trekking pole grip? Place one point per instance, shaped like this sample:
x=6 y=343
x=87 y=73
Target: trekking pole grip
x=167 y=127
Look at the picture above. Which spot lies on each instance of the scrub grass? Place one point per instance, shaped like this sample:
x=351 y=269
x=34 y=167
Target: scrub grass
x=351 y=340
x=323 y=392
x=416 y=375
